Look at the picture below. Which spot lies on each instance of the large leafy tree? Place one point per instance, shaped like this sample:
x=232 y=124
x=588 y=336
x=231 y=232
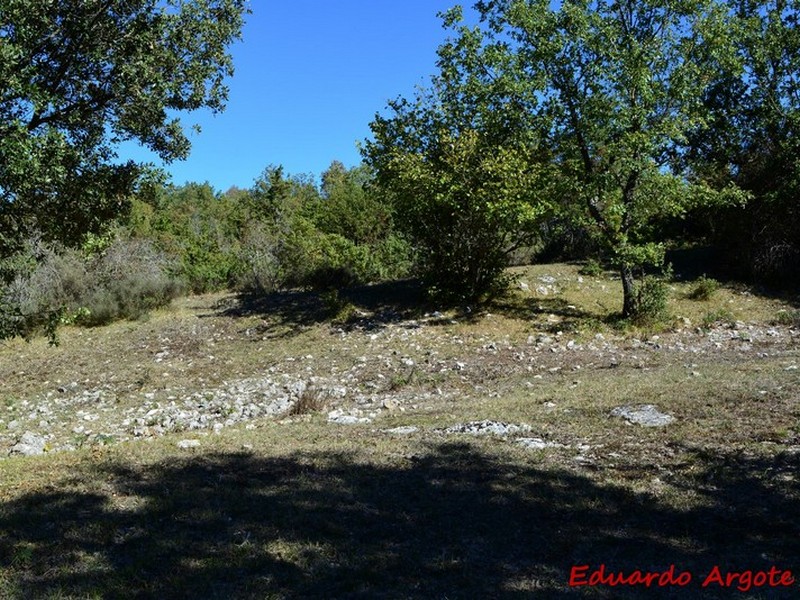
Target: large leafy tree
x=754 y=140
x=466 y=177
x=621 y=85
x=605 y=91
x=79 y=76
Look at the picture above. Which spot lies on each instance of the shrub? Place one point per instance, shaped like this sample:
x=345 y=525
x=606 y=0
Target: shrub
x=311 y=400
x=54 y=285
x=262 y=271
x=44 y=286
x=721 y=315
x=652 y=295
x=321 y=261
x=465 y=201
x=704 y=289
x=131 y=278
x=592 y=268
x=790 y=318
x=299 y=238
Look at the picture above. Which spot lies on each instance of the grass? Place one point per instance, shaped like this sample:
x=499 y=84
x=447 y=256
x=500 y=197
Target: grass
x=310 y=401
x=302 y=508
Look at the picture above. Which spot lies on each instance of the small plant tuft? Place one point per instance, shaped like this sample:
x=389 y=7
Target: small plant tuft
x=721 y=315
x=592 y=268
x=704 y=289
x=311 y=400
x=790 y=318
x=340 y=309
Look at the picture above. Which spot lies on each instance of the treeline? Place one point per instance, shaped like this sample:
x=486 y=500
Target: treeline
x=625 y=127
x=285 y=232
x=606 y=131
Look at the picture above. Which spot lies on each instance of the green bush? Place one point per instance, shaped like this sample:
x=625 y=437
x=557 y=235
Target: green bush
x=259 y=256
x=704 y=289
x=721 y=315
x=592 y=268
x=466 y=202
x=54 y=285
x=652 y=296
x=790 y=318
x=199 y=229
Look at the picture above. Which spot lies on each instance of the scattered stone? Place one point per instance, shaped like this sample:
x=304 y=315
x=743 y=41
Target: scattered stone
x=645 y=415
x=524 y=286
x=340 y=418
x=537 y=444
x=184 y=444
x=487 y=428
x=29 y=444
x=390 y=404
x=403 y=430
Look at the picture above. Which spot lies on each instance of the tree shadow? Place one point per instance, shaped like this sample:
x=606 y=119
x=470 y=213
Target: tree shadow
x=538 y=311
x=455 y=522
x=374 y=306
x=689 y=264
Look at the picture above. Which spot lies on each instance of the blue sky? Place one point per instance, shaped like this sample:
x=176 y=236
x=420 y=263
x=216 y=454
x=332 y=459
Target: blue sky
x=310 y=76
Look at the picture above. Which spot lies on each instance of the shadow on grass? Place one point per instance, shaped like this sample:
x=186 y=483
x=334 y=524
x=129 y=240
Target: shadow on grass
x=374 y=306
x=689 y=264
x=455 y=523
x=541 y=310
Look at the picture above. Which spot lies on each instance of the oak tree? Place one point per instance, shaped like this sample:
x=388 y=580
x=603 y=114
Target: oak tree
x=79 y=76
x=606 y=91
x=466 y=178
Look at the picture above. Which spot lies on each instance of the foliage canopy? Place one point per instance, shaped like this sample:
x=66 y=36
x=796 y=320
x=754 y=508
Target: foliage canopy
x=605 y=93
x=79 y=76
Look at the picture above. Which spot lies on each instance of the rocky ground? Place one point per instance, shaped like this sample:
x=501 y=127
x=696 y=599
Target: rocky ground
x=292 y=447
x=198 y=370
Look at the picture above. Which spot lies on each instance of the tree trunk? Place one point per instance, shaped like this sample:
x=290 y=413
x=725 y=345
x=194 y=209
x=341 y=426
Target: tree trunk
x=629 y=300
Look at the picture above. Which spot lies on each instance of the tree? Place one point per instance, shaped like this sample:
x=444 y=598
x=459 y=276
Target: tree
x=607 y=92
x=79 y=76
x=467 y=180
x=350 y=206
x=754 y=141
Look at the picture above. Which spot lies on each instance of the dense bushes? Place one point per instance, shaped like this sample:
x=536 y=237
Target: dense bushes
x=334 y=238
x=286 y=232
x=198 y=228
x=50 y=285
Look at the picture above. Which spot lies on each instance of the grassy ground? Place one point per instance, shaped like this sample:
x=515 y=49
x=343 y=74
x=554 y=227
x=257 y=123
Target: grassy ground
x=299 y=507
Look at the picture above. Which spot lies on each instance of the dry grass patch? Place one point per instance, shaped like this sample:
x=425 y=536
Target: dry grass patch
x=292 y=508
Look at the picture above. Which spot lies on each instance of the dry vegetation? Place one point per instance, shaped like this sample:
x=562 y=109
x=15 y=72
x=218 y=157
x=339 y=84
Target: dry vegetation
x=308 y=504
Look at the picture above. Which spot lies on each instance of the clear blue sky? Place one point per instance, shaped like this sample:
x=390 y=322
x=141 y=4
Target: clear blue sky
x=310 y=76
